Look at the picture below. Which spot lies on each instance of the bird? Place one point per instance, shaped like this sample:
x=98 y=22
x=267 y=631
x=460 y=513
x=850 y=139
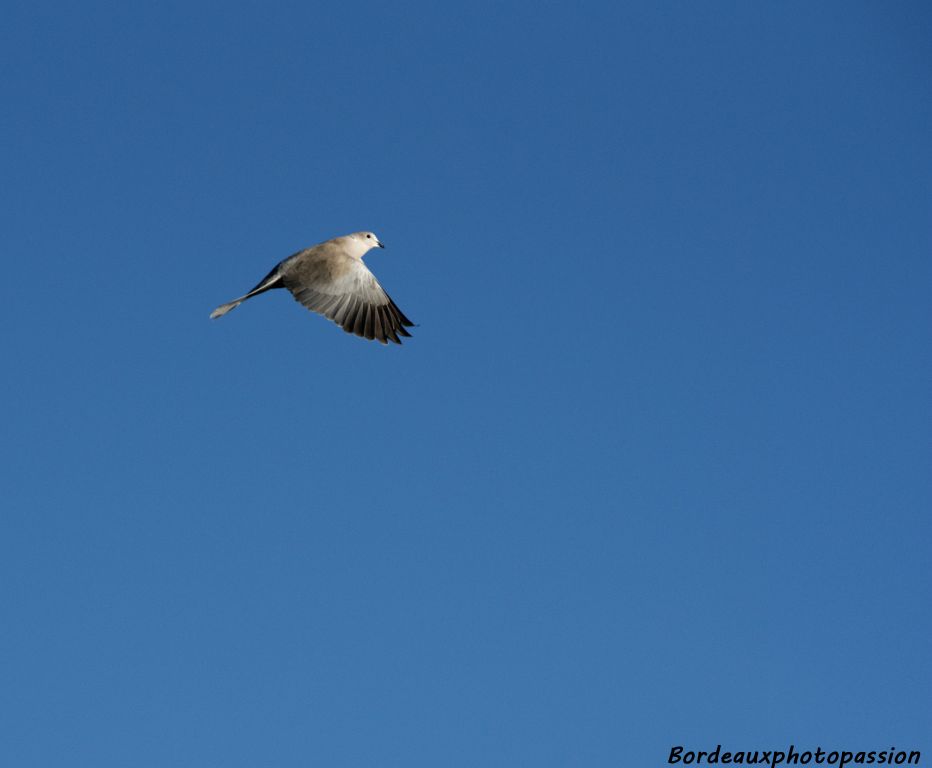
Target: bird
x=330 y=278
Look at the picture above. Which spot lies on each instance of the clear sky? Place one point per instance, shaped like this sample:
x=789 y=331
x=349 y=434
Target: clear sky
x=653 y=470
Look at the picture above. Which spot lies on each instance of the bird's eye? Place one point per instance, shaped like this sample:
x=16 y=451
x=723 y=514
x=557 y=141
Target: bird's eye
x=368 y=237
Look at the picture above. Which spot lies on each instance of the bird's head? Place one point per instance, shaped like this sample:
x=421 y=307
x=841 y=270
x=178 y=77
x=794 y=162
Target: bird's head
x=367 y=240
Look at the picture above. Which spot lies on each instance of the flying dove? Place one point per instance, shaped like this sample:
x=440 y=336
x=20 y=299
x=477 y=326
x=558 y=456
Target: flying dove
x=331 y=279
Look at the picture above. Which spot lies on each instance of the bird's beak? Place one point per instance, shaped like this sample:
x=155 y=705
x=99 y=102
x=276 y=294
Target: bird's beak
x=380 y=243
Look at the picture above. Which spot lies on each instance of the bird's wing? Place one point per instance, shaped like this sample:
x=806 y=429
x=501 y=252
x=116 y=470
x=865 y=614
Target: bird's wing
x=345 y=291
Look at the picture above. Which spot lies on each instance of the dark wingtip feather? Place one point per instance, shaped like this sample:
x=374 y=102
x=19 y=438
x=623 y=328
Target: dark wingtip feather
x=400 y=315
x=359 y=327
x=377 y=332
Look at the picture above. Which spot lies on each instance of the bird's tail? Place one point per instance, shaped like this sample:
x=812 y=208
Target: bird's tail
x=272 y=280
x=224 y=308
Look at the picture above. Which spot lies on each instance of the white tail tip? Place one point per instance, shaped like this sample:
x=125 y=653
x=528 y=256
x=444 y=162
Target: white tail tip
x=223 y=309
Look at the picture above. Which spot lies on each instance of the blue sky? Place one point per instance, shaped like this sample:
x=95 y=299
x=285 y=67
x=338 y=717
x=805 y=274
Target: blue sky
x=653 y=470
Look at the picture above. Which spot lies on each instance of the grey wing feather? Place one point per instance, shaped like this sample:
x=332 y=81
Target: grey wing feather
x=345 y=291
